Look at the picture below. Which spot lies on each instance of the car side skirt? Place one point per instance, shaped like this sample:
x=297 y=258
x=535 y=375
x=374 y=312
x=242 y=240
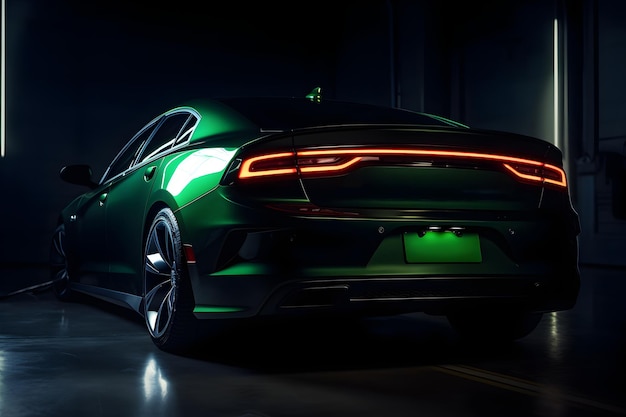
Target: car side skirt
x=116 y=297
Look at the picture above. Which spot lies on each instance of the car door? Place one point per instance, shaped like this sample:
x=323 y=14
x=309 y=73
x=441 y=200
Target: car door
x=91 y=224
x=88 y=224
x=127 y=205
x=86 y=229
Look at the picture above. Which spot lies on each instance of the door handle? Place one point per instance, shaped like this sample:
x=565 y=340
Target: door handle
x=149 y=173
x=102 y=198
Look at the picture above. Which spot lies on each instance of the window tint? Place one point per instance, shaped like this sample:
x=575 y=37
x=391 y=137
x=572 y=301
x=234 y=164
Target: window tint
x=187 y=130
x=165 y=135
x=125 y=158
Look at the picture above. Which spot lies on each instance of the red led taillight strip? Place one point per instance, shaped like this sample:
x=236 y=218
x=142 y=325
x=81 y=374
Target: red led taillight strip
x=559 y=174
x=331 y=168
x=247 y=170
x=336 y=160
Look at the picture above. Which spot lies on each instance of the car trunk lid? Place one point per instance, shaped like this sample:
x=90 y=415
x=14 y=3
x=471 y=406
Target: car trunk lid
x=410 y=168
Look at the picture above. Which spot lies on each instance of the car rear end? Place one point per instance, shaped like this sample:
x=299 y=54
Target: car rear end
x=387 y=219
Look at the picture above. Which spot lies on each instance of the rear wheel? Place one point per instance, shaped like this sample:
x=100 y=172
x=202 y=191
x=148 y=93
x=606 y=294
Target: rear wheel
x=493 y=325
x=168 y=298
x=59 y=267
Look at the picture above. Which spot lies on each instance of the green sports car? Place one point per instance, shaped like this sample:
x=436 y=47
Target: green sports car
x=223 y=210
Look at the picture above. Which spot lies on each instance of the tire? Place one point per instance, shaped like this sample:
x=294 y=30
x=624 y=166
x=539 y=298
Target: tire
x=59 y=267
x=494 y=325
x=168 y=298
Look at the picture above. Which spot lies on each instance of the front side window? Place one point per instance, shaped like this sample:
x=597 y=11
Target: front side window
x=125 y=158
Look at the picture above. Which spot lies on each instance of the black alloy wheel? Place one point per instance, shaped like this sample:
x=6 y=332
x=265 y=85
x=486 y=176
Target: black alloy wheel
x=168 y=301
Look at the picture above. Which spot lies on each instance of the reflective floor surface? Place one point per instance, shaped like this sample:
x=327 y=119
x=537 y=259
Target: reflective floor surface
x=90 y=359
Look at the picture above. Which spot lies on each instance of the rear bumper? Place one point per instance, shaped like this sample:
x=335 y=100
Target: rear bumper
x=430 y=295
x=319 y=265
x=374 y=296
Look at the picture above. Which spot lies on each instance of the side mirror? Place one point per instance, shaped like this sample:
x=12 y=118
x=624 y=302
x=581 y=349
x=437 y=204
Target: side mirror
x=78 y=174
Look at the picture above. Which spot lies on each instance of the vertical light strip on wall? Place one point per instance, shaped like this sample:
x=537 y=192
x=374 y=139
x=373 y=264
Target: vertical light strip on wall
x=3 y=94
x=555 y=77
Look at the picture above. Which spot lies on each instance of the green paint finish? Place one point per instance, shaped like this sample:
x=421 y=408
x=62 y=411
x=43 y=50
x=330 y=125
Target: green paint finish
x=246 y=269
x=435 y=247
x=192 y=173
x=315 y=95
x=216 y=309
x=218 y=120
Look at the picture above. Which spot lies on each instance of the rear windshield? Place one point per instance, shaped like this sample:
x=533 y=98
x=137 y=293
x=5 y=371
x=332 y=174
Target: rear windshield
x=294 y=113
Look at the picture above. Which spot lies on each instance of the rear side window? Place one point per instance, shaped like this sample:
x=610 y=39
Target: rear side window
x=165 y=136
x=188 y=129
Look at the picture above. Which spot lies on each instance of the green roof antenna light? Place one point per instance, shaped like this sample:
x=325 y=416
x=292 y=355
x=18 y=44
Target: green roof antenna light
x=315 y=95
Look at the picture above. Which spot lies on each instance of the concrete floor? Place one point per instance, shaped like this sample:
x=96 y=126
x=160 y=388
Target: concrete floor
x=91 y=359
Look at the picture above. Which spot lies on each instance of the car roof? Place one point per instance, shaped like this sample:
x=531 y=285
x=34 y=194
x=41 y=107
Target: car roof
x=290 y=113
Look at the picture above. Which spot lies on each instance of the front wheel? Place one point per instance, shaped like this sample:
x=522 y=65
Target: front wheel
x=493 y=325
x=168 y=298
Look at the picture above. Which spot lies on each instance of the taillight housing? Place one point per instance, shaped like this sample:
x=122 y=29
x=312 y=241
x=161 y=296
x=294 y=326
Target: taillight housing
x=325 y=162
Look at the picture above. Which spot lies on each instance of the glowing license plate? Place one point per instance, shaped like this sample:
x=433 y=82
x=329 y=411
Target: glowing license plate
x=442 y=247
